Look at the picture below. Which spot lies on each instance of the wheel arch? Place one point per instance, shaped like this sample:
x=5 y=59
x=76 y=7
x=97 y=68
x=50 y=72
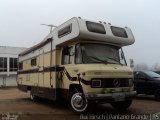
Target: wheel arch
x=77 y=102
x=75 y=87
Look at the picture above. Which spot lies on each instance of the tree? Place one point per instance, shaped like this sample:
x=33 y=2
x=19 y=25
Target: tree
x=141 y=66
x=156 y=67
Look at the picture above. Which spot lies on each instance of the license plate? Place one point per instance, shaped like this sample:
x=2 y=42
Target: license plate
x=119 y=97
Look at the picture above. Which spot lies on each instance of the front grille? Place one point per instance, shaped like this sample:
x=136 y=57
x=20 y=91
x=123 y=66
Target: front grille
x=113 y=82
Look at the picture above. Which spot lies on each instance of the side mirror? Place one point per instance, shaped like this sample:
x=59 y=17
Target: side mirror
x=131 y=63
x=65 y=50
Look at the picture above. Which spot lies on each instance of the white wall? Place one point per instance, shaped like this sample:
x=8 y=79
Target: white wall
x=9 y=52
x=8 y=80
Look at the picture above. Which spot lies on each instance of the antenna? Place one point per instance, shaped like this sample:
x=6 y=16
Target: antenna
x=49 y=25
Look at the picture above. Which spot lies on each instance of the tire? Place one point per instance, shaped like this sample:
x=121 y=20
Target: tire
x=122 y=105
x=157 y=95
x=77 y=102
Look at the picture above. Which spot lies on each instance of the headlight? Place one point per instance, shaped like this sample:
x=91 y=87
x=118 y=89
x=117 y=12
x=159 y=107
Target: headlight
x=96 y=83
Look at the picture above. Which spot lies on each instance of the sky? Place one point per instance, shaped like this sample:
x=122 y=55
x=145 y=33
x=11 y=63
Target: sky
x=20 y=22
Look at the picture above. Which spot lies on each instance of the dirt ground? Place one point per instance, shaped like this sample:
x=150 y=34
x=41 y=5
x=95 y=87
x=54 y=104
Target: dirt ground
x=18 y=106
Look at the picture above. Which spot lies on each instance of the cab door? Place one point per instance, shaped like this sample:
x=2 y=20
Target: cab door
x=65 y=62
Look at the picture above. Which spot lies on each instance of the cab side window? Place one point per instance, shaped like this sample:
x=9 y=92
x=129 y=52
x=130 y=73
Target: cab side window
x=141 y=76
x=66 y=58
x=78 y=54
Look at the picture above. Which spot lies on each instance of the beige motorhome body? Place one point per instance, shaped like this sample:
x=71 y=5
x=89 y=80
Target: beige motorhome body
x=80 y=61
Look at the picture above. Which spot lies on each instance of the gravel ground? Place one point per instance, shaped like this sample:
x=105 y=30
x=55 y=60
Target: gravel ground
x=17 y=105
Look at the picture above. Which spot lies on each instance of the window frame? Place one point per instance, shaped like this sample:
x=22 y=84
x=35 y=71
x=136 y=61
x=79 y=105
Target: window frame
x=92 y=25
x=82 y=61
x=61 y=33
x=34 y=61
x=115 y=33
x=76 y=54
x=13 y=68
x=63 y=56
x=4 y=66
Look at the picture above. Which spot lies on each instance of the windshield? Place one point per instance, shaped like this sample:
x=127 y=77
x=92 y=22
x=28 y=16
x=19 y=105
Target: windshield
x=152 y=74
x=99 y=53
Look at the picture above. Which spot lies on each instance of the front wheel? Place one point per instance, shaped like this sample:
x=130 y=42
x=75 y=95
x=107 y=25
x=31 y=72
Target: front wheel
x=77 y=102
x=122 y=105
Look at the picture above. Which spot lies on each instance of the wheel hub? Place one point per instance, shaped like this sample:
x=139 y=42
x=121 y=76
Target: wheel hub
x=77 y=101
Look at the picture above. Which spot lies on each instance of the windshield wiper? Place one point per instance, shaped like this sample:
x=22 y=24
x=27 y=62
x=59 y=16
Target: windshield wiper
x=96 y=58
x=114 y=60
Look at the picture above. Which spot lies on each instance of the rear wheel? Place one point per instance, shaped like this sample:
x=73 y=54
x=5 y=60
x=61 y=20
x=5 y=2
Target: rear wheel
x=122 y=105
x=157 y=95
x=77 y=102
x=33 y=97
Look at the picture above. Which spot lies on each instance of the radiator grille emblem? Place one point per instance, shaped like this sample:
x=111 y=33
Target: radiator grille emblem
x=116 y=83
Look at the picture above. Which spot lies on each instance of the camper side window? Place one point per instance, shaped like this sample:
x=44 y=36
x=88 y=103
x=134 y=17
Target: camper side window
x=33 y=62
x=66 y=58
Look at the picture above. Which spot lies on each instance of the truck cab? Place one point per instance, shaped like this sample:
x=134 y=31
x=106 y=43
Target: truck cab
x=102 y=72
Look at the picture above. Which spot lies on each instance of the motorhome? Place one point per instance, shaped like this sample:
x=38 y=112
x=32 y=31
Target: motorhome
x=80 y=61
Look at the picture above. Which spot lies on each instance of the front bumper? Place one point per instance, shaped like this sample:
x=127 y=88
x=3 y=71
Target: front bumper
x=111 y=97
